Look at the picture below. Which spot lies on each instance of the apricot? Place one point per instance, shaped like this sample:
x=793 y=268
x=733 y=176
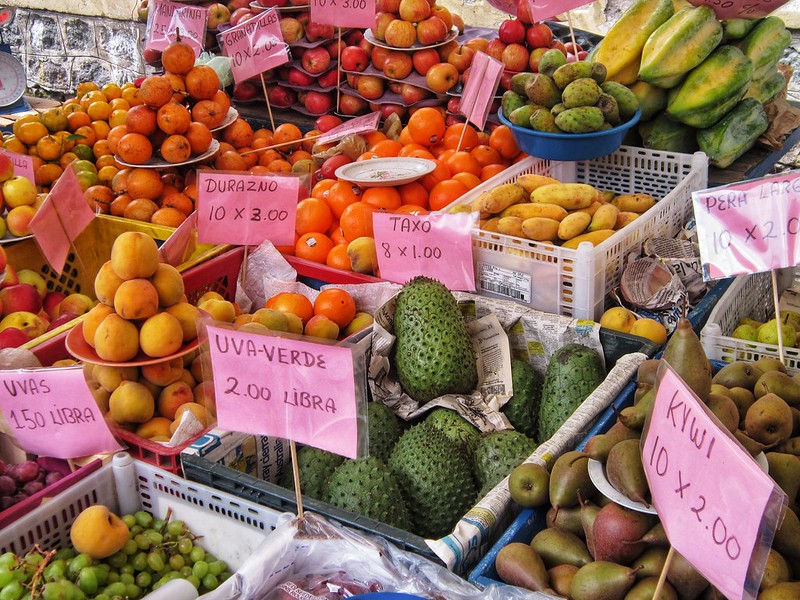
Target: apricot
x=220 y=310
x=168 y=283
x=106 y=283
x=161 y=335
x=188 y=378
x=272 y=319
x=163 y=373
x=204 y=396
x=201 y=365
x=187 y=315
x=101 y=396
x=116 y=339
x=295 y=323
x=322 y=327
x=157 y=426
x=155 y=390
x=134 y=255
x=131 y=402
x=92 y=321
x=136 y=299
x=200 y=413
x=109 y=378
x=172 y=397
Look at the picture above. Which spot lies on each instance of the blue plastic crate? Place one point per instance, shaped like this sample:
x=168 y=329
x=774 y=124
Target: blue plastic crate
x=699 y=315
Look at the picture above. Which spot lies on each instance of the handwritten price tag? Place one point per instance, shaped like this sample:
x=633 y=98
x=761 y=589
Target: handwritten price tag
x=51 y=412
x=353 y=126
x=479 y=91
x=740 y=9
x=436 y=245
x=236 y=208
x=698 y=477
x=286 y=388
x=749 y=228
x=545 y=9
x=166 y=17
x=255 y=46
x=23 y=165
x=344 y=13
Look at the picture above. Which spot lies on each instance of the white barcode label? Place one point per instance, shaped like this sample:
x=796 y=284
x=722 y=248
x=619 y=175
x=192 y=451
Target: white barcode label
x=504 y=282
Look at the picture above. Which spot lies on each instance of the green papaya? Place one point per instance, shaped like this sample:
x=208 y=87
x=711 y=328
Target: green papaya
x=652 y=99
x=766 y=88
x=711 y=89
x=736 y=29
x=765 y=44
x=621 y=50
x=662 y=133
x=735 y=134
x=679 y=45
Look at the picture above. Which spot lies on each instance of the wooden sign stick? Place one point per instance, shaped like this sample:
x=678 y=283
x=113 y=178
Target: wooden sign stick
x=572 y=34
x=296 y=476
x=777 y=314
x=663 y=577
x=266 y=98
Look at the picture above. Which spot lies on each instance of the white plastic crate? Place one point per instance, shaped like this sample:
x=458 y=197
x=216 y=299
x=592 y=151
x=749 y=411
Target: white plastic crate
x=575 y=283
x=748 y=296
x=231 y=528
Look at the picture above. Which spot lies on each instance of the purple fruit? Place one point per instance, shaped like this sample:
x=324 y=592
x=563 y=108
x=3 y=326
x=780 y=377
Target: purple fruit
x=7 y=485
x=33 y=487
x=52 y=477
x=25 y=472
x=3 y=467
x=7 y=502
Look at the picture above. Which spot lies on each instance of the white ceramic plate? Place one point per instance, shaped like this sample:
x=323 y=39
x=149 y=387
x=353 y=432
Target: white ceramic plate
x=288 y=8
x=384 y=172
x=232 y=115
x=10 y=240
x=371 y=39
x=157 y=163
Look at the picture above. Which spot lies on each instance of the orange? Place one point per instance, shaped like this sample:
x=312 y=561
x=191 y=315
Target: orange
x=30 y=133
x=280 y=166
x=168 y=216
x=321 y=188
x=78 y=119
x=445 y=192
x=180 y=201
x=373 y=137
x=486 y=155
x=287 y=132
x=313 y=246
x=383 y=198
x=462 y=162
x=413 y=193
x=267 y=156
x=338 y=258
x=387 y=148
x=411 y=209
x=453 y=135
x=341 y=195
x=313 y=214
x=468 y=179
x=134 y=148
x=405 y=137
x=426 y=126
x=366 y=155
x=144 y=183
x=290 y=302
x=300 y=155
x=502 y=140
x=337 y=305
x=440 y=151
x=407 y=149
x=440 y=173
x=356 y=221
x=490 y=171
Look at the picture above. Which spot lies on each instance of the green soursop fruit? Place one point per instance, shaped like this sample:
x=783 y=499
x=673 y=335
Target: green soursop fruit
x=367 y=487
x=573 y=372
x=498 y=453
x=385 y=428
x=433 y=354
x=522 y=409
x=435 y=478
x=455 y=427
x=315 y=467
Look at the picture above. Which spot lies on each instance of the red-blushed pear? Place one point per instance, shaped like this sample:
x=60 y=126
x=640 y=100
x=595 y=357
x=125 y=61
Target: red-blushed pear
x=515 y=57
x=316 y=60
x=431 y=31
x=33 y=278
x=75 y=303
x=414 y=11
x=51 y=301
x=495 y=49
x=424 y=60
x=441 y=77
x=20 y=297
x=61 y=320
x=328 y=79
x=511 y=31
x=400 y=34
x=217 y=14
x=6 y=167
x=461 y=58
x=291 y=29
x=10 y=277
x=398 y=65
x=19 y=191
x=351 y=105
x=539 y=35
x=30 y=324
x=12 y=337
x=354 y=58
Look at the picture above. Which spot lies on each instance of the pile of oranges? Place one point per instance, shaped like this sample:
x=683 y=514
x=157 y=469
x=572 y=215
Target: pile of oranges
x=338 y=213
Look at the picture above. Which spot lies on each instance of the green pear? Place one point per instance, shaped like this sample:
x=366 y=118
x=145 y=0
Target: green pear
x=745 y=332
x=768 y=333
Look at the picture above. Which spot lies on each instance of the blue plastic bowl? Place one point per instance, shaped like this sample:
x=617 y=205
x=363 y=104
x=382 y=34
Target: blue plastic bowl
x=570 y=146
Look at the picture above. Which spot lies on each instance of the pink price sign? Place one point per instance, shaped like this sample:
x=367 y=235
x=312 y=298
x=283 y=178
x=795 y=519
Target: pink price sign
x=255 y=46
x=435 y=245
x=353 y=126
x=546 y=9
x=698 y=475
x=51 y=412
x=236 y=208
x=479 y=91
x=344 y=13
x=23 y=164
x=750 y=227
x=740 y=9
x=165 y=18
x=293 y=389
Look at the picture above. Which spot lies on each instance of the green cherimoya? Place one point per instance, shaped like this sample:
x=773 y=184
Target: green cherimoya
x=315 y=466
x=455 y=427
x=433 y=354
x=385 y=428
x=573 y=372
x=436 y=479
x=522 y=409
x=367 y=487
x=498 y=453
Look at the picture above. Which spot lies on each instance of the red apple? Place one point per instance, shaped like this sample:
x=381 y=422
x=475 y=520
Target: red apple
x=327 y=122
x=6 y=171
x=445 y=49
x=572 y=48
x=453 y=104
x=431 y=31
x=458 y=22
x=366 y=45
x=328 y=168
x=304 y=17
x=559 y=45
x=495 y=49
x=477 y=44
x=354 y=37
x=354 y=58
x=328 y=78
x=318 y=103
x=298 y=52
x=268 y=3
x=505 y=80
x=441 y=77
x=234 y=5
x=298 y=77
x=424 y=60
x=465 y=76
x=316 y=60
x=292 y=30
x=245 y=91
x=515 y=57
x=20 y=297
x=511 y=31
x=382 y=20
x=453 y=119
x=539 y=35
x=240 y=15
x=536 y=56
x=414 y=11
x=523 y=12
x=282 y=97
x=217 y=14
x=411 y=94
x=400 y=34
x=370 y=87
x=10 y=278
x=378 y=56
x=317 y=31
x=334 y=48
x=12 y=337
x=60 y=320
x=392 y=6
x=351 y=105
x=396 y=86
x=461 y=58
x=51 y=301
x=3 y=257
x=151 y=56
x=389 y=109
x=352 y=80
x=398 y=65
